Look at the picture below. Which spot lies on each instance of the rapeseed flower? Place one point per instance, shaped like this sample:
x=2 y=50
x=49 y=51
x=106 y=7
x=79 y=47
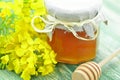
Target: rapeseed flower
x=22 y=49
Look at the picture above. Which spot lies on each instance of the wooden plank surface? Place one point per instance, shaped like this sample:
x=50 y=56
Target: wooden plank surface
x=109 y=41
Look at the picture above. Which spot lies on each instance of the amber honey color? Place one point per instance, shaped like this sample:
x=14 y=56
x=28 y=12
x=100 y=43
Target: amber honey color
x=71 y=50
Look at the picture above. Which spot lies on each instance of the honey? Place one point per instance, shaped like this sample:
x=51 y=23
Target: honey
x=72 y=28
x=71 y=50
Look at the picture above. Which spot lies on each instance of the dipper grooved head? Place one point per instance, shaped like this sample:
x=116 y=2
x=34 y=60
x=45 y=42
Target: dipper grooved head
x=87 y=71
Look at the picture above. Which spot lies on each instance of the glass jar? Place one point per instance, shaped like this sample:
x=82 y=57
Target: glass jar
x=71 y=50
x=73 y=34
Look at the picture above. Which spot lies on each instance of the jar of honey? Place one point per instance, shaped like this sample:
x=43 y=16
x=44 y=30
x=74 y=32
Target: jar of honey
x=72 y=29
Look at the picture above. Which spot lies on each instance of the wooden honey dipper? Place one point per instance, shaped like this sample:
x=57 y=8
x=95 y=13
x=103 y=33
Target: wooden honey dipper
x=91 y=70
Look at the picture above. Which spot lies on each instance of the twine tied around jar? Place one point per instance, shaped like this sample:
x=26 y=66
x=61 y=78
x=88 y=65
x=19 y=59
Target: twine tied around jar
x=52 y=22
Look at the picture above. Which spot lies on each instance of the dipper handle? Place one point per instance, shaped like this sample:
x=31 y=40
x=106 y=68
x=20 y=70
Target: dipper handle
x=114 y=54
x=91 y=70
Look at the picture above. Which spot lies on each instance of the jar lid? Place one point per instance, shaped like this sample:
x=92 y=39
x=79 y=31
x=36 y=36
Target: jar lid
x=73 y=10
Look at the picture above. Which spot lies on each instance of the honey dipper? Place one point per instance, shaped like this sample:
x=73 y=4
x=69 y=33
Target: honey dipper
x=91 y=70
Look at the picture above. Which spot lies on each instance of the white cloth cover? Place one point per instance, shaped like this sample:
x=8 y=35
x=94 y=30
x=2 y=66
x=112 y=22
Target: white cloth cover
x=73 y=10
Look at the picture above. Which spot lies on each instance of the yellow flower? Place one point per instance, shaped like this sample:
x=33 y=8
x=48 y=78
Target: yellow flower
x=5 y=12
x=10 y=66
x=37 y=4
x=25 y=75
x=6 y=9
x=40 y=11
x=32 y=59
x=49 y=58
x=19 y=51
x=5 y=59
x=17 y=7
x=17 y=67
x=26 y=51
x=24 y=44
x=2 y=4
x=23 y=61
x=27 y=19
x=44 y=70
x=50 y=68
x=20 y=37
x=30 y=41
x=39 y=24
x=53 y=56
x=29 y=70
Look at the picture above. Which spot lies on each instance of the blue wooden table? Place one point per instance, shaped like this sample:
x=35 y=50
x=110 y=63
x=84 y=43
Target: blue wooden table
x=108 y=42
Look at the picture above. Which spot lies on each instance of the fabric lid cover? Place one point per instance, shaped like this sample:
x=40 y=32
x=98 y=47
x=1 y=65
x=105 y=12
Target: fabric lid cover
x=73 y=10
